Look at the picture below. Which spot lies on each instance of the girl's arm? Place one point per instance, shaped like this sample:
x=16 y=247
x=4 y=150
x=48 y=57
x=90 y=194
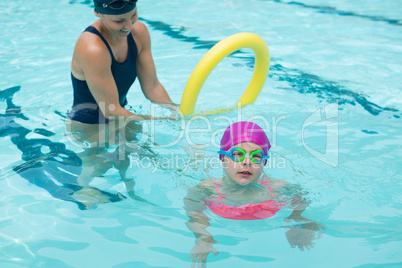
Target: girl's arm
x=299 y=202
x=303 y=233
x=291 y=192
x=194 y=205
x=198 y=222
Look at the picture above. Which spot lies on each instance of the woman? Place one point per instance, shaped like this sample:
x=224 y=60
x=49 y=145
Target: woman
x=108 y=56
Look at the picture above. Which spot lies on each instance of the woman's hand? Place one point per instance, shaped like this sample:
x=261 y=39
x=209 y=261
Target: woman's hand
x=200 y=252
x=171 y=106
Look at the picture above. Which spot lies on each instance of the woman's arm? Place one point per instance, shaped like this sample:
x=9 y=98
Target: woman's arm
x=146 y=71
x=91 y=62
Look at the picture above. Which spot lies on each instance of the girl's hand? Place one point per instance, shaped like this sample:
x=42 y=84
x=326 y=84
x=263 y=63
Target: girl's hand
x=200 y=252
x=306 y=223
x=301 y=237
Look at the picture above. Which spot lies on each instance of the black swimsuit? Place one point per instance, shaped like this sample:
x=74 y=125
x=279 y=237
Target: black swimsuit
x=85 y=109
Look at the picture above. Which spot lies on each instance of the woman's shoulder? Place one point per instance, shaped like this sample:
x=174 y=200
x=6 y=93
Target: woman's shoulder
x=140 y=32
x=89 y=44
x=140 y=28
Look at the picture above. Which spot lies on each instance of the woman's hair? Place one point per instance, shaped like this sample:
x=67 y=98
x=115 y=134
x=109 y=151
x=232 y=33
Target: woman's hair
x=114 y=7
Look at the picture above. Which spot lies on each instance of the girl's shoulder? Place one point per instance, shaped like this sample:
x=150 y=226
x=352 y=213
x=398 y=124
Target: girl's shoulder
x=282 y=186
x=278 y=183
x=208 y=185
x=202 y=190
x=274 y=183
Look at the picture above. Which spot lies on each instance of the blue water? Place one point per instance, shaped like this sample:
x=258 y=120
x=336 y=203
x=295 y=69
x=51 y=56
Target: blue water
x=331 y=105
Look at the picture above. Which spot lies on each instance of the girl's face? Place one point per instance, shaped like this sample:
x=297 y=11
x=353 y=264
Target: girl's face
x=245 y=171
x=120 y=25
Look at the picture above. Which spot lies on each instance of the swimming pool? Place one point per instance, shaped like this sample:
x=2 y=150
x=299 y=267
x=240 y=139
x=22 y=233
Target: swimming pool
x=331 y=105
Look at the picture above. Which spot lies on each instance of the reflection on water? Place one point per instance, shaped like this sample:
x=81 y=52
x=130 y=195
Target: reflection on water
x=55 y=171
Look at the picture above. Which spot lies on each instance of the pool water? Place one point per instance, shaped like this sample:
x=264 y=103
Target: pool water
x=331 y=107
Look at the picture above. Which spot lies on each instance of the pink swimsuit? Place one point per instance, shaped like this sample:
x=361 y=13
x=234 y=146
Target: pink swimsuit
x=263 y=210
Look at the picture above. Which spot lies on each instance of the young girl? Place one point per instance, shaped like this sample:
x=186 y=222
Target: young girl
x=244 y=193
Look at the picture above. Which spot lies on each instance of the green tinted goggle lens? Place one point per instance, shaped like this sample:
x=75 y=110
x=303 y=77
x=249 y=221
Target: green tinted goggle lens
x=238 y=155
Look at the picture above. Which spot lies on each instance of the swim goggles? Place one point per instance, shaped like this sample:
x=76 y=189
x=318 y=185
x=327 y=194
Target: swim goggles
x=116 y=4
x=238 y=155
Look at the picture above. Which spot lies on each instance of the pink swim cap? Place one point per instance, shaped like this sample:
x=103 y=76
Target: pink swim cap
x=244 y=132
